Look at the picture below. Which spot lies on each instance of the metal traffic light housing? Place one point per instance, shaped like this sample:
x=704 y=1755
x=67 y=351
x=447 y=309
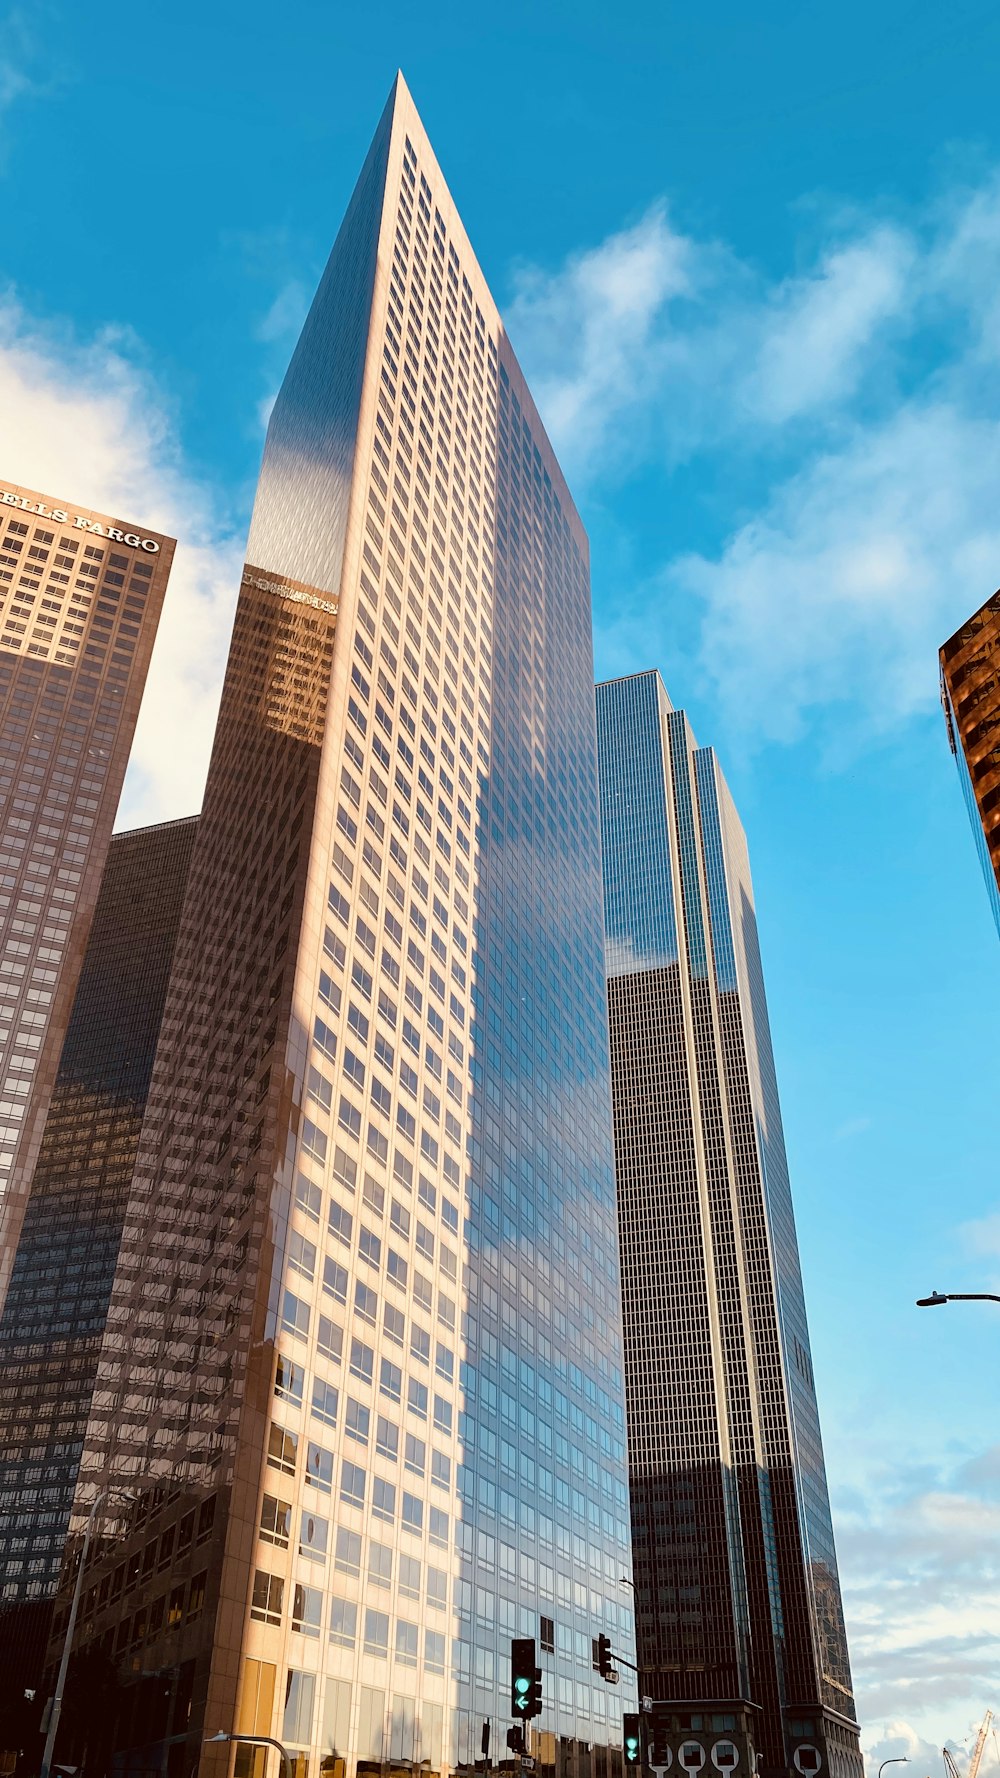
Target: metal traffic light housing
x=604 y=1659
x=525 y=1680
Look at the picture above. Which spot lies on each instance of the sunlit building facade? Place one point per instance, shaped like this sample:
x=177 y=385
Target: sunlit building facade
x=80 y=599
x=970 y=696
x=54 y=1318
x=363 y=1374
x=739 y=1620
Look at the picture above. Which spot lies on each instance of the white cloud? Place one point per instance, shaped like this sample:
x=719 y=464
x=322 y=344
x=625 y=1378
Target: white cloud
x=816 y=334
x=86 y=421
x=839 y=592
x=591 y=334
x=920 y=1565
x=983 y=1235
x=856 y=404
x=980 y=1240
x=28 y=66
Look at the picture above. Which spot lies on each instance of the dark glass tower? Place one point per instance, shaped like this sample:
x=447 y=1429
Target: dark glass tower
x=54 y=1317
x=364 y=1364
x=739 y=1616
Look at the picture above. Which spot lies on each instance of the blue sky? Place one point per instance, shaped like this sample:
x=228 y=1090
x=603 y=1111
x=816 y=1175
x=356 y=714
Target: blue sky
x=749 y=256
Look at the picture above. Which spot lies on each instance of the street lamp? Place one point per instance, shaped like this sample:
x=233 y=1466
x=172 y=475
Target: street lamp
x=57 y=1697
x=287 y=1762
x=901 y=1759
x=955 y=1296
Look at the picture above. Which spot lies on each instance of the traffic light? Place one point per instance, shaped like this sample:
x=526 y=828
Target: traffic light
x=603 y=1659
x=630 y=1736
x=660 y=1753
x=515 y=1739
x=525 y=1679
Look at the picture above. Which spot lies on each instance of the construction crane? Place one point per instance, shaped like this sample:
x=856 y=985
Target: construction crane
x=977 y=1751
x=950 y=1767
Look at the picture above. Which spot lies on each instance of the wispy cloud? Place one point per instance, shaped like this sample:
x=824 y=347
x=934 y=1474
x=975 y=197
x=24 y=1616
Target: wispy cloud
x=598 y=332
x=29 y=66
x=856 y=400
x=86 y=420
x=979 y=1240
x=920 y=1563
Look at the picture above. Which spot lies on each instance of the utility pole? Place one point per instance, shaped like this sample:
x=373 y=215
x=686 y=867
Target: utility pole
x=57 y=1696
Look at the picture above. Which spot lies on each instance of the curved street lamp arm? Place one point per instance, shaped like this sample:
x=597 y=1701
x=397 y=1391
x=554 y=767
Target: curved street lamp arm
x=955 y=1296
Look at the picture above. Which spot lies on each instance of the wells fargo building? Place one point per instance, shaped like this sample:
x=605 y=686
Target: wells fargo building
x=80 y=599
x=739 y=1619
x=363 y=1370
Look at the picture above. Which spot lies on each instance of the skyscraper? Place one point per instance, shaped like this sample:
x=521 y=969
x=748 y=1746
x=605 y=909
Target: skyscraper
x=739 y=1617
x=80 y=598
x=363 y=1371
x=53 y=1320
x=970 y=695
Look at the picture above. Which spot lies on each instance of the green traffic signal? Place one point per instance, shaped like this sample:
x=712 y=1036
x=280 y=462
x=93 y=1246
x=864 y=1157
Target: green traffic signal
x=630 y=1737
x=525 y=1679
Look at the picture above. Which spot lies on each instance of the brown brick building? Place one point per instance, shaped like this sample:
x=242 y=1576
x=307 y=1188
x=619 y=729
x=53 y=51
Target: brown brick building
x=970 y=695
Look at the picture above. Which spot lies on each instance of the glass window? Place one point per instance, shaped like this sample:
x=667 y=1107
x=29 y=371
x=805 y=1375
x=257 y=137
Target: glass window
x=413 y=1513
x=325 y=1401
x=362 y=1361
x=266 y=1598
x=358 y=1421
x=282 y=1449
x=376 y=1633
x=347 y=1556
x=343 y=1622
x=352 y=1483
x=275 y=1520
x=314 y=1537
x=409 y=1577
x=386 y=1437
x=289 y=1380
x=319 y=1467
x=307 y=1610
x=379 y=1565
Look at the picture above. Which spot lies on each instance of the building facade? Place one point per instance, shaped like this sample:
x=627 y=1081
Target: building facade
x=970 y=696
x=80 y=599
x=54 y=1317
x=363 y=1373
x=739 y=1619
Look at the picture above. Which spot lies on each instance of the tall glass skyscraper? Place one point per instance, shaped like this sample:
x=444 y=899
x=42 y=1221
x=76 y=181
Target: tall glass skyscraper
x=739 y=1618
x=363 y=1375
